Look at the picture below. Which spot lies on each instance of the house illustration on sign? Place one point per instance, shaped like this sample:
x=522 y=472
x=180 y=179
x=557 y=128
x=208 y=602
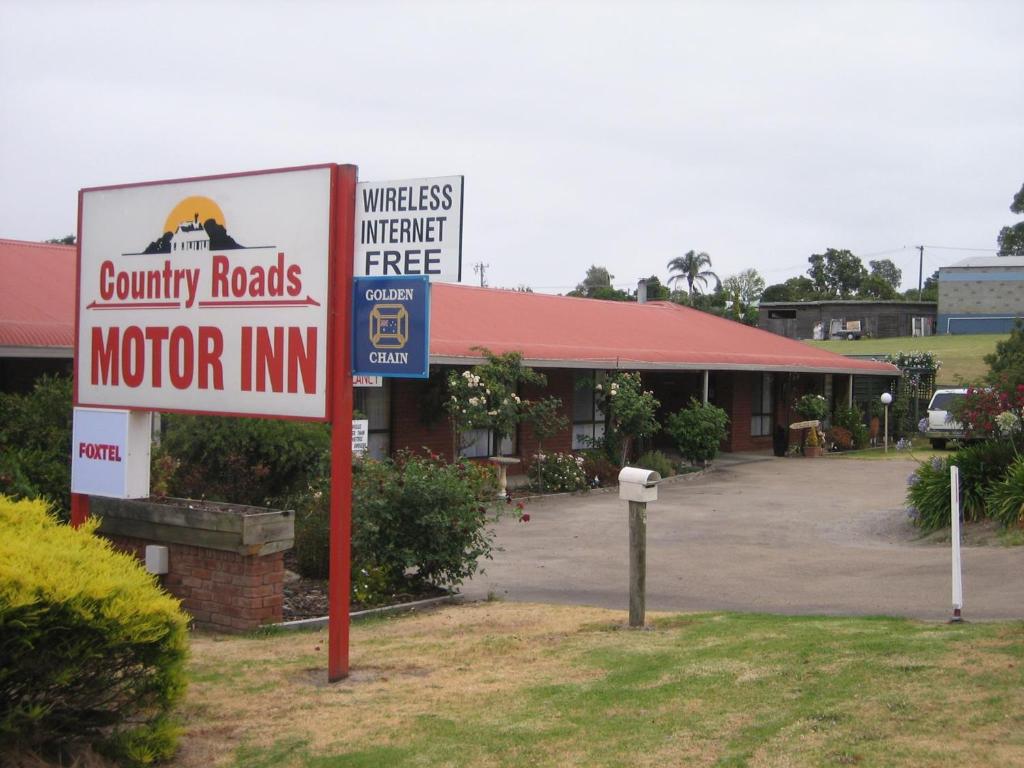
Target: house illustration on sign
x=190 y=236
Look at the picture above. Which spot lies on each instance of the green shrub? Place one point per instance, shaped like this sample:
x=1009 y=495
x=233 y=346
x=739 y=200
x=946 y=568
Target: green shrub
x=852 y=420
x=657 y=461
x=980 y=465
x=93 y=651
x=413 y=518
x=35 y=443
x=1006 y=501
x=698 y=430
x=560 y=472
x=810 y=407
x=244 y=461
x=928 y=495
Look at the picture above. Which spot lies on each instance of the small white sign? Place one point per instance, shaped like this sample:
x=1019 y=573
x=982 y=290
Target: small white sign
x=367 y=381
x=360 y=435
x=110 y=452
x=410 y=227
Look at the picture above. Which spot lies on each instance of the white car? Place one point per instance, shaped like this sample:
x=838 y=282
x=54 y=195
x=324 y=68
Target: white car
x=941 y=426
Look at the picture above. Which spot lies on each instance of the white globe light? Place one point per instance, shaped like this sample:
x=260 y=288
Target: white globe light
x=886 y=398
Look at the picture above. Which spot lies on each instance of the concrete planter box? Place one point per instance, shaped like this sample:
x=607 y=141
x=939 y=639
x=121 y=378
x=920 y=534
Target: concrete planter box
x=244 y=530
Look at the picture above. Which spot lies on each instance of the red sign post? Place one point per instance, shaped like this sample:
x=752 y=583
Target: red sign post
x=340 y=574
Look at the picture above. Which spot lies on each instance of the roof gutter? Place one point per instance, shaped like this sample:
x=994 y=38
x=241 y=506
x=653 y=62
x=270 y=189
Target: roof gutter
x=636 y=365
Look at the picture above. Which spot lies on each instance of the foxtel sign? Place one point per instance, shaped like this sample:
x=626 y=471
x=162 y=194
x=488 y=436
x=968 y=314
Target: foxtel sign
x=207 y=295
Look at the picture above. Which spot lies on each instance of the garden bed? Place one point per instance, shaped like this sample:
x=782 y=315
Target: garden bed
x=307 y=598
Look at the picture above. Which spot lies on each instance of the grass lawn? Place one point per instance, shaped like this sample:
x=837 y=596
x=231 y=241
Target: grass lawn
x=921 y=452
x=505 y=684
x=962 y=356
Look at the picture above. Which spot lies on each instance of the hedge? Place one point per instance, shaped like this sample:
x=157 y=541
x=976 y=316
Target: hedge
x=93 y=651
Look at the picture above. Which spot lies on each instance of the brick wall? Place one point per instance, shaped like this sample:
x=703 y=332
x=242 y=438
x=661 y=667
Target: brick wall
x=739 y=389
x=408 y=428
x=224 y=591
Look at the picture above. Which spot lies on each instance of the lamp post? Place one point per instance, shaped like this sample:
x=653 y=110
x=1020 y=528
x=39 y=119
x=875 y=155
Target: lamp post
x=886 y=399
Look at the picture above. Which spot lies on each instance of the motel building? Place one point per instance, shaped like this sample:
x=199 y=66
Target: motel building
x=680 y=352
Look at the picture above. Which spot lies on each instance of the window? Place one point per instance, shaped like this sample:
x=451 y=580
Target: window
x=781 y=314
x=587 y=416
x=761 y=405
x=375 y=402
x=479 y=444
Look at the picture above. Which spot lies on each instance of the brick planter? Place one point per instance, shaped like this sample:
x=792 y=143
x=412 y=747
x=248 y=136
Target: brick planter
x=225 y=561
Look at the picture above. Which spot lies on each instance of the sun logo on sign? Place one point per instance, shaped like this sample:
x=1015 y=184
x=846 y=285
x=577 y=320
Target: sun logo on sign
x=196 y=225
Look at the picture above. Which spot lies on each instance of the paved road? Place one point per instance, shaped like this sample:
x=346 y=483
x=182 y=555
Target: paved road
x=793 y=536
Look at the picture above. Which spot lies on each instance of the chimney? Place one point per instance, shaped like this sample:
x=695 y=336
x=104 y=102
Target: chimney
x=641 y=291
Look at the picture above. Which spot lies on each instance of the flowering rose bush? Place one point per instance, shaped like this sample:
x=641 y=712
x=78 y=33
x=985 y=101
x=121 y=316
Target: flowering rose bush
x=485 y=397
x=630 y=410
x=559 y=472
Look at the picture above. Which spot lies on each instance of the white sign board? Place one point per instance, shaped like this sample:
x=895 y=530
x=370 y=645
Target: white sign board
x=360 y=435
x=110 y=452
x=411 y=227
x=367 y=381
x=207 y=295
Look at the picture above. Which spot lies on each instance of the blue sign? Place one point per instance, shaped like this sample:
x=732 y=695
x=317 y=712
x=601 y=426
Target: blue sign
x=391 y=327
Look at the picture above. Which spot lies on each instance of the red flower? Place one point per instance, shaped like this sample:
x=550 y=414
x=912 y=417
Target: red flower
x=525 y=518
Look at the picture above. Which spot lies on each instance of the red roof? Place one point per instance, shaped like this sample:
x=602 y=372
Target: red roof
x=37 y=294
x=569 y=332
x=37 y=309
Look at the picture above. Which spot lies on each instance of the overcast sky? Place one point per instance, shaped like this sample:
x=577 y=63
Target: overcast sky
x=618 y=134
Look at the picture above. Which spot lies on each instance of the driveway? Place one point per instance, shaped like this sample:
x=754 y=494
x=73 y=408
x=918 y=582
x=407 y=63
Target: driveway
x=791 y=536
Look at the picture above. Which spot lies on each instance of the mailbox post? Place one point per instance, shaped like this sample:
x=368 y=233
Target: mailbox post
x=638 y=486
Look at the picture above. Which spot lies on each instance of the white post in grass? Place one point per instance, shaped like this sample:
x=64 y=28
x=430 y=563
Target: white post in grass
x=954 y=503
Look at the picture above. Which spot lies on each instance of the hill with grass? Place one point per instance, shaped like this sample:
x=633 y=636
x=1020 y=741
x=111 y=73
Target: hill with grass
x=962 y=356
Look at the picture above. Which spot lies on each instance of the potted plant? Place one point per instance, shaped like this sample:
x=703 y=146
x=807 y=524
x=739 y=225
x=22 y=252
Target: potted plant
x=812 y=448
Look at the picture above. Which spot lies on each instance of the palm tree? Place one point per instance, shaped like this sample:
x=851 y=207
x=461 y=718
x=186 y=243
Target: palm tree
x=691 y=267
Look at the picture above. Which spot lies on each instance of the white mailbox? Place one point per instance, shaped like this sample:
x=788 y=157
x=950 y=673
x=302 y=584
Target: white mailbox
x=636 y=484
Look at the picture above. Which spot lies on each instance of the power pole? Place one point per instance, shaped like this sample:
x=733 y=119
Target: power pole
x=480 y=268
x=920 y=271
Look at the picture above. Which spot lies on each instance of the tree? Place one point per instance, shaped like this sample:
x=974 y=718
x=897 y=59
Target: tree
x=1011 y=239
x=691 y=267
x=597 y=277
x=794 y=289
x=1006 y=364
x=744 y=291
x=836 y=272
x=929 y=291
x=876 y=287
x=66 y=240
x=888 y=272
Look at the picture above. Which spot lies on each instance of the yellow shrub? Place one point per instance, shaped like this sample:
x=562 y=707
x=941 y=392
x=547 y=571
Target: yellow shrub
x=93 y=649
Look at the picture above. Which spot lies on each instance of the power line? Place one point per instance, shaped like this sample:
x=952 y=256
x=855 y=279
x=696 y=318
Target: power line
x=954 y=248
